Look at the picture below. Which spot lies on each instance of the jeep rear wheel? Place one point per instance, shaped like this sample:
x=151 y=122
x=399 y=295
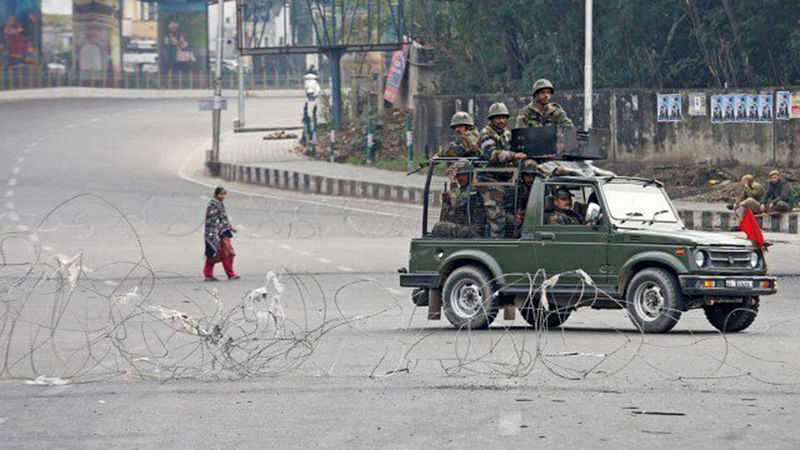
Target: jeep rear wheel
x=732 y=317
x=653 y=300
x=539 y=318
x=467 y=298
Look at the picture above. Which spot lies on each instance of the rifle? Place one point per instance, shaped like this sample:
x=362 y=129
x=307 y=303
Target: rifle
x=447 y=159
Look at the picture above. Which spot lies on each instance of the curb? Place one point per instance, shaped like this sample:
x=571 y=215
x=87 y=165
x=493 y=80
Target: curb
x=87 y=92
x=317 y=184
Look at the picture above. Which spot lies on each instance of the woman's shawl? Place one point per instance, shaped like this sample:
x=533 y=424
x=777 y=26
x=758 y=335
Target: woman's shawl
x=216 y=224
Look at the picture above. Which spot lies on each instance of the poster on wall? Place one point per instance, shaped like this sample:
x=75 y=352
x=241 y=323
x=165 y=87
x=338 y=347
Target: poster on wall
x=739 y=108
x=751 y=108
x=765 y=108
x=396 y=71
x=794 y=105
x=697 y=103
x=183 y=36
x=668 y=107
x=782 y=102
x=717 y=108
x=21 y=39
x=97 y=40
x=729 y=101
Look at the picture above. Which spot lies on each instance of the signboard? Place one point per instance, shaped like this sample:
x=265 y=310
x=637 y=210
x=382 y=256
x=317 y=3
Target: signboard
x=97 y=37
x=782 y=102
x=183 y=36
x=21 y=39
x=396 y=72
x=210 y=104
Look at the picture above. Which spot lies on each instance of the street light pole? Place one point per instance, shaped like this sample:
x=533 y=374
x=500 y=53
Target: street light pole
x=217 y=112
x=587 y=69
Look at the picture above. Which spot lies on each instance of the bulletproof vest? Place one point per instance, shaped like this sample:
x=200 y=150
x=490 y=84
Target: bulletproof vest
x=468 y=210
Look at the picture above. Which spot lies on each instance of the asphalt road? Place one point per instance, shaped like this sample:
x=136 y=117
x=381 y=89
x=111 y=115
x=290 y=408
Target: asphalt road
x=116 y=182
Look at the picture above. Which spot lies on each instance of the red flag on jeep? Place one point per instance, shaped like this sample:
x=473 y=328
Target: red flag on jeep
x=749 y=225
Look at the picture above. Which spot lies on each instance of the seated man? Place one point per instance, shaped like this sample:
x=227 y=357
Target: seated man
x=750 y=198
x=777 y=197
x=563 y=213
x=463 y=211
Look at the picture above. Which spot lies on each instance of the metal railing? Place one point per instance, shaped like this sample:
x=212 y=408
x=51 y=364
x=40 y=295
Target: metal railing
x=36 y=78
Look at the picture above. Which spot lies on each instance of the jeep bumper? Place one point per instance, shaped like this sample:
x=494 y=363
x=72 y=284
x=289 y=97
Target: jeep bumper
x=727 y=286
x=420 y=279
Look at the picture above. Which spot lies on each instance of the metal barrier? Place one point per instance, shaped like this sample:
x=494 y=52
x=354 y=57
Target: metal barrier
x=22 y=77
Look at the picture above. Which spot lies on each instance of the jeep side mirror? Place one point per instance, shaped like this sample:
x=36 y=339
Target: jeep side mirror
x=593 y=213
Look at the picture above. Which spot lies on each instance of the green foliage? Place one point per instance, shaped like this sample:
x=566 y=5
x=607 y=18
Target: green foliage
x=502 y=46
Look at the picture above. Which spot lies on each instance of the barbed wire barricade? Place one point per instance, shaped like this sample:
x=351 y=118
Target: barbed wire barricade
x=62 y=321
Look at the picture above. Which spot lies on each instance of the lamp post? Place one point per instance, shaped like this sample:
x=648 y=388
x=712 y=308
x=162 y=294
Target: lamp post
x=587 y=69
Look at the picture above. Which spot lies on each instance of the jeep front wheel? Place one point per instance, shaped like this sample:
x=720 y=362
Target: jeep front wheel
x=467 y=298
x=653 y=300
x=732 y=317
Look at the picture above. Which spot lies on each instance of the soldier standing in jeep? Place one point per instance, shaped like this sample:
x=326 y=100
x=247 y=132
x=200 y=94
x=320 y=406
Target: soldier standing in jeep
x=541 y=111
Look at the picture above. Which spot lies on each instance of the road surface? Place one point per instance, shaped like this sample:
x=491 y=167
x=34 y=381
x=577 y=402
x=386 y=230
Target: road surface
x=117 y=184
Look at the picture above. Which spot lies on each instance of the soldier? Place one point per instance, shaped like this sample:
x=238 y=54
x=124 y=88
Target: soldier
x=524 y=185
x=464 y=214
x=563 y=213
x=750 y=198
x=465 y=143
x=541 y=111
x=495 y=142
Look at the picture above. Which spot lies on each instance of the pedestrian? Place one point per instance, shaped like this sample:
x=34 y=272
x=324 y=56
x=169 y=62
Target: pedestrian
x=218 y=235
x=777 y=197
x=750 y=198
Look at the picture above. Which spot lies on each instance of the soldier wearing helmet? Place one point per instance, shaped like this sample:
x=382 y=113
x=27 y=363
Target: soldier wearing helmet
x=463 y=210
x=541 y=111
x=563 y=214
x=495 y=144
x=465 y=143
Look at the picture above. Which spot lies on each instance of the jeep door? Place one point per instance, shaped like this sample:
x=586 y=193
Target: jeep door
x=561 y=247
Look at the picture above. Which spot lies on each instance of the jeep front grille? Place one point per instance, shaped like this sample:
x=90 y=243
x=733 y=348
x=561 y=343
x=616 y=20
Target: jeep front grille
x=730 y=259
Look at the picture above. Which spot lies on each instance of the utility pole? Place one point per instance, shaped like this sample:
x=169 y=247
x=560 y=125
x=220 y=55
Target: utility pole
x=587 y=69
x=213 y=164
x=240 y=120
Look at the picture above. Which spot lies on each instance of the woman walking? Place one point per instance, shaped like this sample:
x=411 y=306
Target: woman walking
x=218 y=235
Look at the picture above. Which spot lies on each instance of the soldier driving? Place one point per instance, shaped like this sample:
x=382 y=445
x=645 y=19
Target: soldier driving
x=463 y=213
x=563 y=213
x=541 y=111
x=465 y=143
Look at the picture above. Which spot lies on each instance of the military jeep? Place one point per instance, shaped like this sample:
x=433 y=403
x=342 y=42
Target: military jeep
x=630 y=251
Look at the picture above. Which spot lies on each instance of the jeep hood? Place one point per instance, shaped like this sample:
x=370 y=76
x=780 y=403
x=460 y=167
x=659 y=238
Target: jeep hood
x=688 y=237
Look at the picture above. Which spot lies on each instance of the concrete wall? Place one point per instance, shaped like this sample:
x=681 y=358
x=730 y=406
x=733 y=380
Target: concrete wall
x=630 y=116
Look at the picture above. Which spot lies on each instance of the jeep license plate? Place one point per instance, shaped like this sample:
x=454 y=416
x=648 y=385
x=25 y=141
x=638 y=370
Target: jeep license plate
x=739 y=284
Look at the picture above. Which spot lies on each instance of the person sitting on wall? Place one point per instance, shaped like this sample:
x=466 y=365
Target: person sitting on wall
x=777 y=197
x=750 y=197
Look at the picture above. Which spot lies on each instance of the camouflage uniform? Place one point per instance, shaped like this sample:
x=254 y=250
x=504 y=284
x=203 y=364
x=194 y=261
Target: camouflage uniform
x=494 y=145
x=553 y=114
x=464 y=145
x=464 y=214
x=563 y=217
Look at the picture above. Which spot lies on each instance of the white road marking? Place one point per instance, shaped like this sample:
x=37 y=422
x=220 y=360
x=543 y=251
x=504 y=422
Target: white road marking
x=344 y=268
x=12 y=182
x=324 y=260
x=15 y=170
x=9 y=193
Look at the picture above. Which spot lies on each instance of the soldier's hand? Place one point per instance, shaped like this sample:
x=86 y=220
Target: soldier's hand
x=519 y=156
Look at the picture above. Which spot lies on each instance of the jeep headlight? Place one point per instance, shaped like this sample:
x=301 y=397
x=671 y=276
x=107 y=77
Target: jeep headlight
x=753 y=260
x=700 y=258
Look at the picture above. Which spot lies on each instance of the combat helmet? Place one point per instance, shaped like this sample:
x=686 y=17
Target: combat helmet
x=529 y=167
x=542 y=83
x=462 y=118
x=463 y=167
x=497 y=109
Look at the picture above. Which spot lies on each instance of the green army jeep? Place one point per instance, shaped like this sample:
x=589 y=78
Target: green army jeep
x=628 y=250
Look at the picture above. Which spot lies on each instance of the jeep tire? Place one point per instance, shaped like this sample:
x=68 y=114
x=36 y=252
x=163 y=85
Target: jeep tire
x=732 y=317
x=539 y=318
x=654 y=300
x=468 y=298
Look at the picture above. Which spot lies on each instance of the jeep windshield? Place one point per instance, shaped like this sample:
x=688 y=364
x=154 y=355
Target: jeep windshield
x=639 y=203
